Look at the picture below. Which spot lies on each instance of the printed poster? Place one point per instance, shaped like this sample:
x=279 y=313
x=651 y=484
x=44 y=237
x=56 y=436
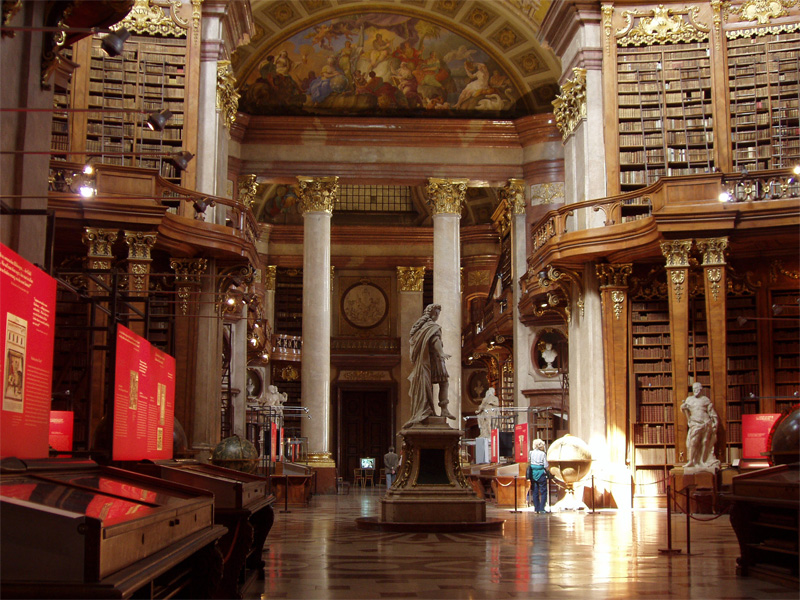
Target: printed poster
x=521 y=443
x=27 y=331
x=495 y=443
x=755 y=434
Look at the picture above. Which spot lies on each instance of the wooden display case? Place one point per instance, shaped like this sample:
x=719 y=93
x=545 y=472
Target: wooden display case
x=102 y=532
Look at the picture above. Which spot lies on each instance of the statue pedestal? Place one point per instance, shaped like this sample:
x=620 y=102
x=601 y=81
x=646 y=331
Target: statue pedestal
x=482 y=454
x=431 y=488
x=701 y=485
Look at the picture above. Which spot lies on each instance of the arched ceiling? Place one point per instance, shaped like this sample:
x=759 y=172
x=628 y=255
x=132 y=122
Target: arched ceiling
x=439 y=58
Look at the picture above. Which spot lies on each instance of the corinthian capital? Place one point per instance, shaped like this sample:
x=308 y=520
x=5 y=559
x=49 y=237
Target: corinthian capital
x=676 y=252
x=446 y=196
x=410 y=278
x=318 y=194
x=514 y=194
x=713 y=250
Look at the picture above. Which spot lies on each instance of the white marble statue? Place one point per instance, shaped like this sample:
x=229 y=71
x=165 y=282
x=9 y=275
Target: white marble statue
x=485 y=412
x=702 y=421
x=275 y=399
x=549 y=355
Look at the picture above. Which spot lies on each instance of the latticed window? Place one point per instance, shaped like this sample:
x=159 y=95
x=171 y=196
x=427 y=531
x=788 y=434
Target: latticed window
x=374 y=198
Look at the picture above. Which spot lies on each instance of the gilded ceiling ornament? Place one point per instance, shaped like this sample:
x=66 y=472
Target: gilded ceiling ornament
x=548 y=193
x=318 y=194
x=569 y=107
x=149 y=17
x=410 y=279
x=713 y=250
x=615 y=275
x=514 y=194
x=248 y=188
x=618 y=298
x=764 y=10
x=662 y=25
x=269 y=277
x=446 y=196
x=139 y=244
x=714 y=276
x=227 y=96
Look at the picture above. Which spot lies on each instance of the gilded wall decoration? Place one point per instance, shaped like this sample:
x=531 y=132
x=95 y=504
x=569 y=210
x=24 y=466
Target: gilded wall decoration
x=269 y=277
x=155 y=17
x=530 y=63
x=764 y=10
x=410 y=279
x=569 y=107
x=713 y=250
x=227 y=96
x=514 y=194
x=364 y=305
x=618 y=298
x=382 y=63
x=478 y=278
x=547 y=193
x=662 y=25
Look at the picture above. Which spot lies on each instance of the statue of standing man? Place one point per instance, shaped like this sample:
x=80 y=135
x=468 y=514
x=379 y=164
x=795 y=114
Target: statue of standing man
x=428 y=358
x=702 y=421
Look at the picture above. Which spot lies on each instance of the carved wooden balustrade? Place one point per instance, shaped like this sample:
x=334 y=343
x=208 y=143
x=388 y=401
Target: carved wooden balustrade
x=287 y=347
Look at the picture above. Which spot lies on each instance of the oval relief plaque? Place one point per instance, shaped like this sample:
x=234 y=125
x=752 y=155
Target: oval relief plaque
x=364 y=305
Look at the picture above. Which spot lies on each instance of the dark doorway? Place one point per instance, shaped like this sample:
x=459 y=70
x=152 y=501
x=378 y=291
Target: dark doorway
x=365 y=429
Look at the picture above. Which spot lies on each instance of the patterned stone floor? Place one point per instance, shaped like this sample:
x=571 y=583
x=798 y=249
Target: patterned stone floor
x=318 y=552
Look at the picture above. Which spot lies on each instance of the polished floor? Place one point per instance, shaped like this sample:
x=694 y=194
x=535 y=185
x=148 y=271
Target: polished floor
x=317 y=552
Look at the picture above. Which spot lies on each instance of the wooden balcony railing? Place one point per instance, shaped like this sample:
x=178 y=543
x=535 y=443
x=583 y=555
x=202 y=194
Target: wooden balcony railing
x=287 y=347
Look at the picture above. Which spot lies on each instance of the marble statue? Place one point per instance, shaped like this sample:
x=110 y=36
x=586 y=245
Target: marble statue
x=549 y=355
x=428 y=358
x=485 y=411
x=275 y=399
x=702 y=421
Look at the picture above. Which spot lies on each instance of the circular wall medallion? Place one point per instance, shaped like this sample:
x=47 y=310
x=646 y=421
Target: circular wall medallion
x=364 y=305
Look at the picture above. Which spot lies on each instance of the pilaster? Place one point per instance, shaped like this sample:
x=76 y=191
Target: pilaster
x=409 y=285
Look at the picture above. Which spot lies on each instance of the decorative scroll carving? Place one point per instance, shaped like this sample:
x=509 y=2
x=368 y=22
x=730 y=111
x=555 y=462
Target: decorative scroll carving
x=569 y=108
x=227 y=96
x=248 y=188
x=446 y=196
x=608 y=13
x=713 y=250
x=410 y=279
x=197 y=14
x=678 y=278
x=187 y=278
x=745 y=284
x=502 y=217
x=514 y=194
x=550 y=275
x=714 y=276
x=614 y=275
x=149 y=17
x=318 y=194
x=269 y=277
x=662 y=25
x=618 y=298
x=764 y=10
x=720 y=10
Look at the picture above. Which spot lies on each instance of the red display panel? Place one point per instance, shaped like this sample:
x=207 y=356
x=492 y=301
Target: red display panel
x=521 y=442
x=27 y=316
x=755 y=433
x=495 y=443
x=273 y=442
x=61 y=427
x=144 y=399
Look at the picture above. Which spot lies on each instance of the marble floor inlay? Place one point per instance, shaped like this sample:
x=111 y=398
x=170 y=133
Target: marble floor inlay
x=317 y=552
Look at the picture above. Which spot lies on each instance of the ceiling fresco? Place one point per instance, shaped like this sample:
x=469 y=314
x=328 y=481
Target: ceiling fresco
x=456 y=58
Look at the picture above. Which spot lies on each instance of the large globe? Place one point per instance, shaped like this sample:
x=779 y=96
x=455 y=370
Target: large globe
x=570 y=459
x=784 y=438
x=236 y=453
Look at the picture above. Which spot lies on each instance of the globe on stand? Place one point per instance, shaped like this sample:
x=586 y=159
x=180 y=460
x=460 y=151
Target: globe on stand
x=236 y=453
x=570 y=461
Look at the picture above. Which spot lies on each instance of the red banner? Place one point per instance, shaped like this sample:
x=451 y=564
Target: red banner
x=144 y=399
x=755 y=433
x=495 y=442
x=27 y=319
x=61 y=427
x=281 y=445
x=521 y=443
x=273 y=442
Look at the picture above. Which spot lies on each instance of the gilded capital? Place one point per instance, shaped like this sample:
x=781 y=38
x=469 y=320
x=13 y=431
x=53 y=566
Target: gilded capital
x=318 y=194
x=188 y=270
x=614 y=275
x=139 y=244
x=569 y=107
x=514 y=194
x=248 y=188
x=676 y=252
x=227 y=96
x=99 y=241
x=269 y=277
x=713 y=250
x=410 y=278
x=446 y=196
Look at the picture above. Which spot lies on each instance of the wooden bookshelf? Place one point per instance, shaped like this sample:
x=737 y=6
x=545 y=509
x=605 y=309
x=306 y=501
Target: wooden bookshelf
x=764 y=82
x=289 y=301
x=664 y=114
x=785 y=330
x=743 y=369
x=653 y=409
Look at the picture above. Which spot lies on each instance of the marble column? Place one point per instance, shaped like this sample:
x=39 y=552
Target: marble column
x=317 y=197
x=514 y=194
x=409 y=284
x=446 y=197
x=269 y=274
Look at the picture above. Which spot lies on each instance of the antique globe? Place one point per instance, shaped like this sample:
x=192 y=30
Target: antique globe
x=570 y=461
x=784 y=438
x=236 y=453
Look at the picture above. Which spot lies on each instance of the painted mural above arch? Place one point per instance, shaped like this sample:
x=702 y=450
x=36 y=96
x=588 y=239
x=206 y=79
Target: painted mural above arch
x=382 y=64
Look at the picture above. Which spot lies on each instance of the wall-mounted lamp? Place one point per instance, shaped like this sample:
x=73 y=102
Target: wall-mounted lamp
x=181 y=160
x=113 y=43
x=158 y=120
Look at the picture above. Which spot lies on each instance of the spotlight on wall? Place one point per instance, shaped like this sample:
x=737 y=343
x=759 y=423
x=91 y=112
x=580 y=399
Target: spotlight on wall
x=181 y=160
x=158 y=120
x=114 y=42
x=725 y=197
x=200 y=205
x=796 y=170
